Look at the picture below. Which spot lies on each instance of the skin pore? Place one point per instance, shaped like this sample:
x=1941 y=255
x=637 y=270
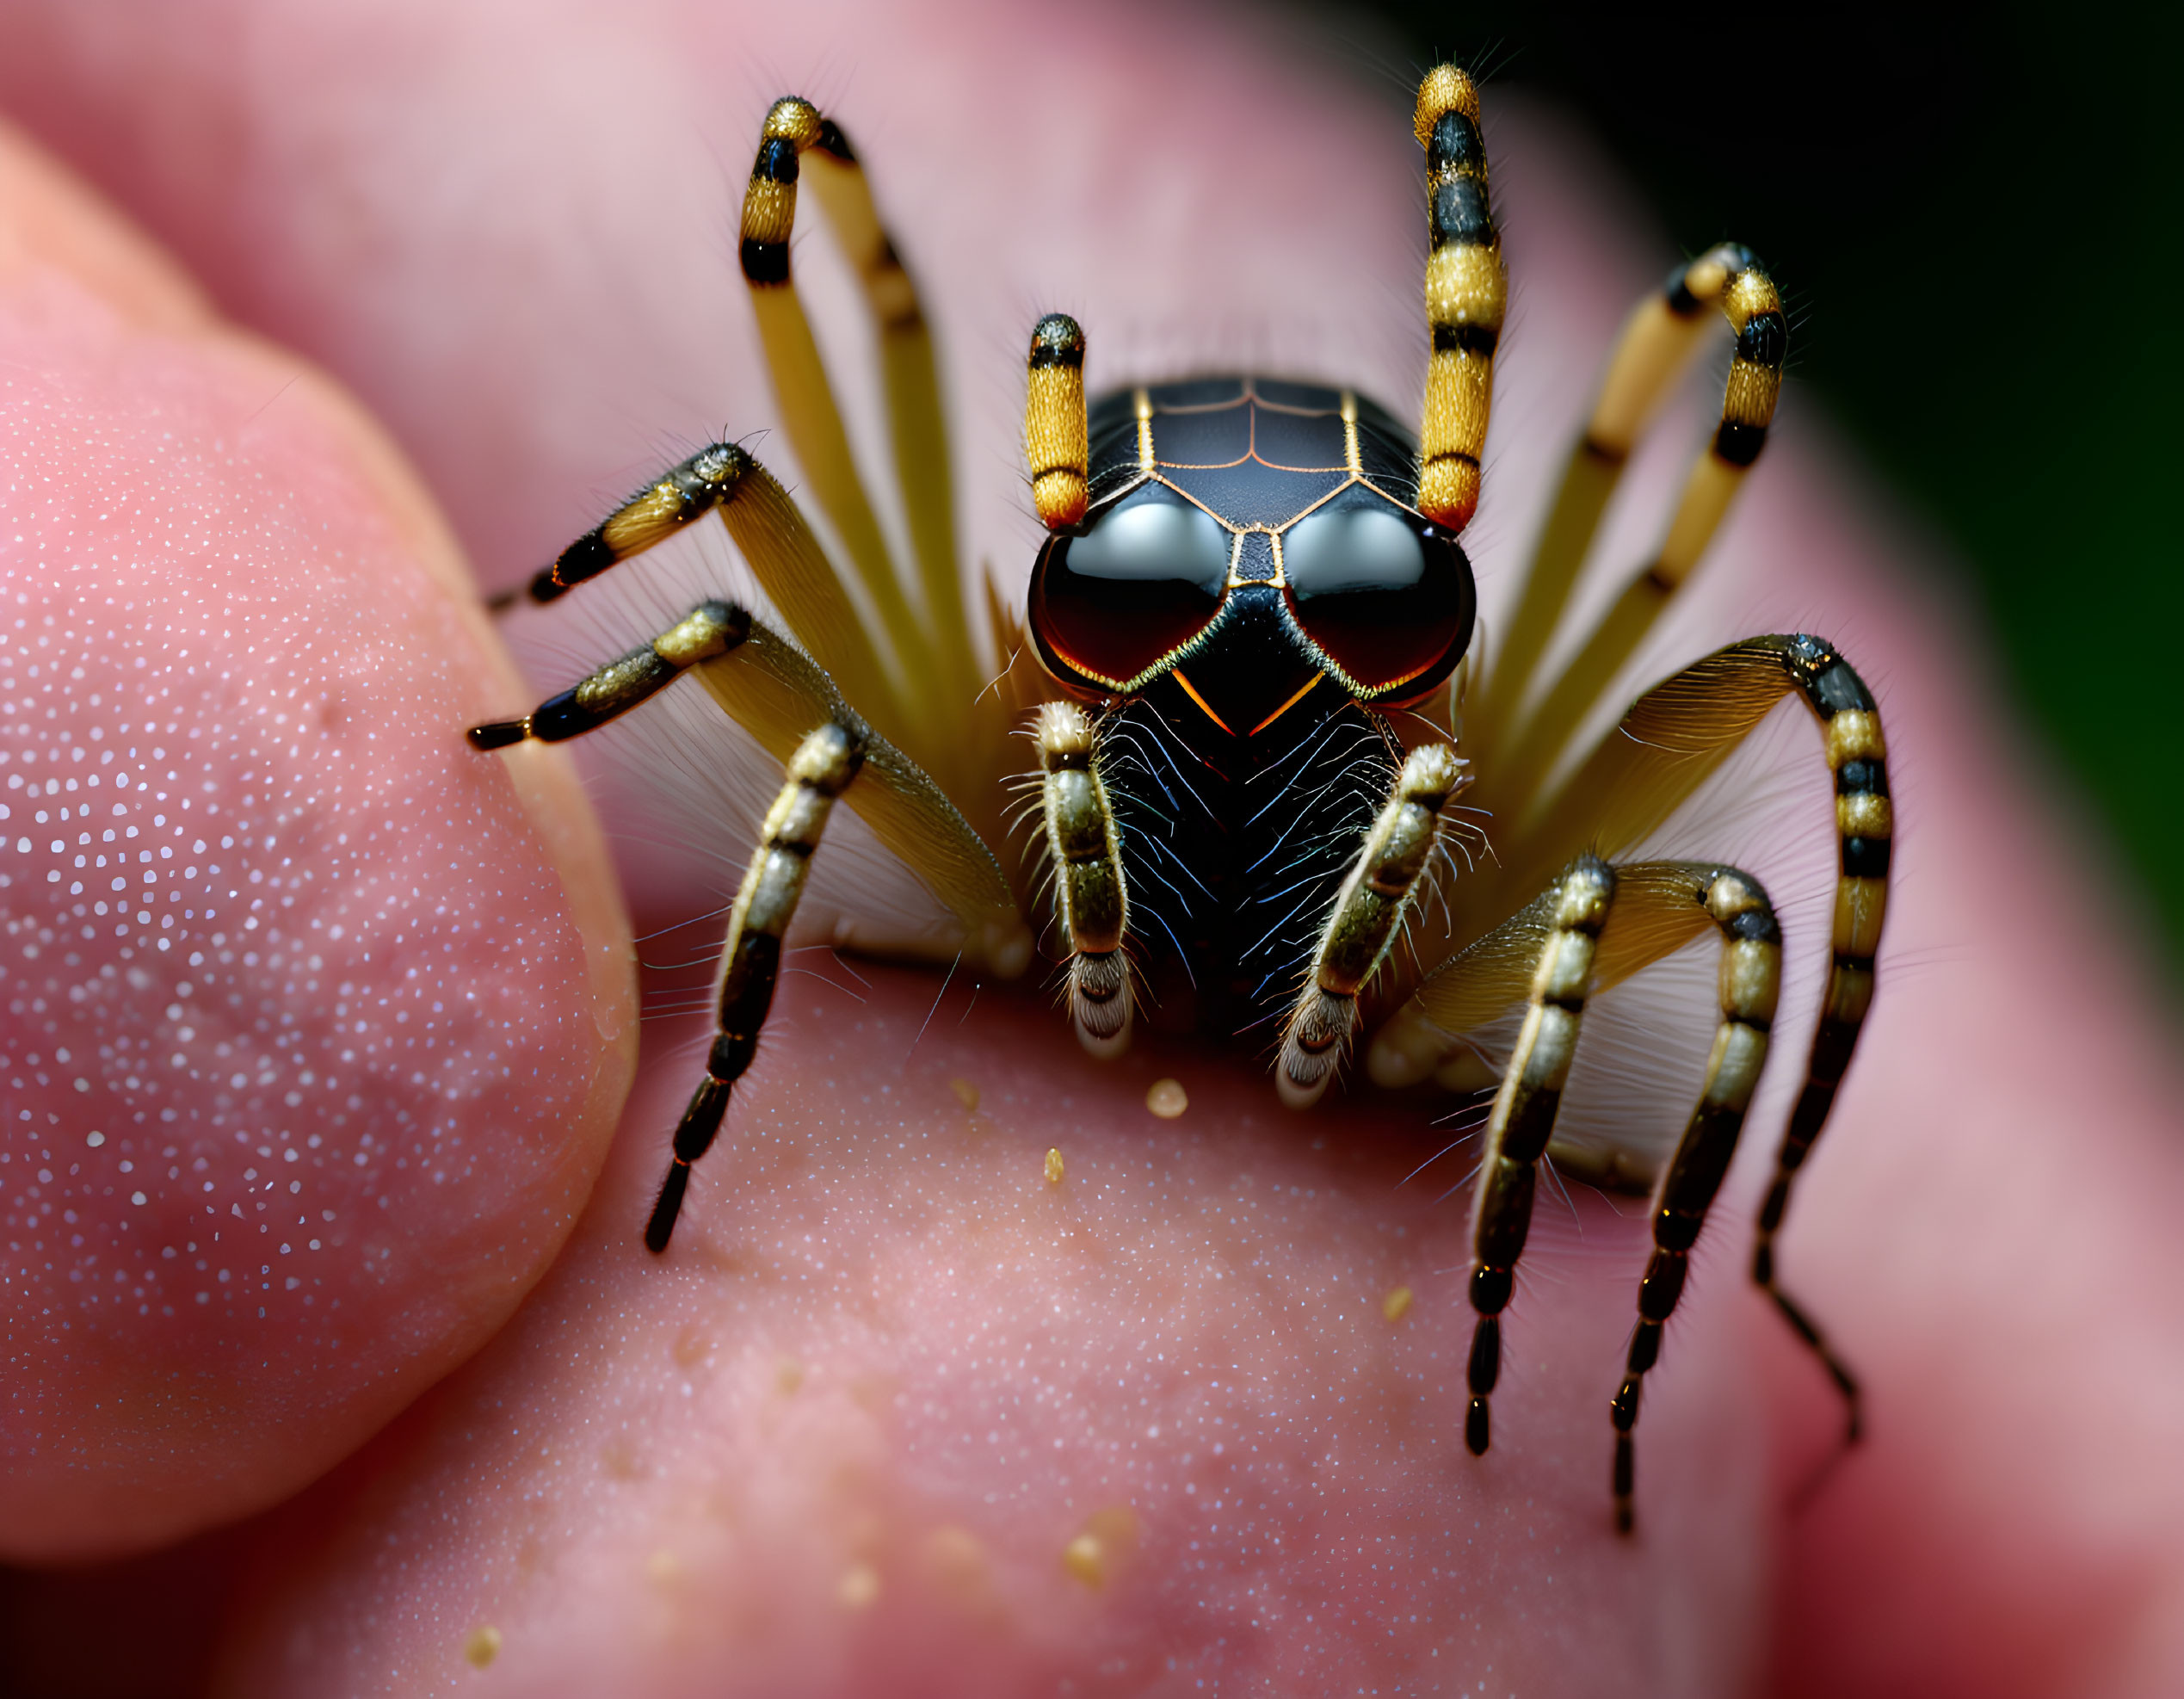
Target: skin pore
x=899 y=1413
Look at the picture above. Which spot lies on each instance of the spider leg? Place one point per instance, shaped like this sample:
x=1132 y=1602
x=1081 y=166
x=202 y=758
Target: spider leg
x=1367 y=913
x=910 y=379
x=1656 y=344
x=1091 y=899
x=1466 y=288
x=777 y=692
x=1055 y=442
x=1593 y=929
x=793 y=129
x=1750 y=983
x=1523 y=1118
x=1673 y=738
x=783 y=555
x=751 y=958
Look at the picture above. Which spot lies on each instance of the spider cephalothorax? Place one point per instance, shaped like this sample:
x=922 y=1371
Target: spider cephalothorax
x=1249 y=589
x=1247 y=676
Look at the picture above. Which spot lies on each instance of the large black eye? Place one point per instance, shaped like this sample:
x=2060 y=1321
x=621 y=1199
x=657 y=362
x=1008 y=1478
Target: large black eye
x=1145 y=577
x=1387 y=595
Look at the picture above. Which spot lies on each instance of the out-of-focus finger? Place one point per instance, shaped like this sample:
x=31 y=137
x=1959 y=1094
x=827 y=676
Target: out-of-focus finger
x=316 y=1022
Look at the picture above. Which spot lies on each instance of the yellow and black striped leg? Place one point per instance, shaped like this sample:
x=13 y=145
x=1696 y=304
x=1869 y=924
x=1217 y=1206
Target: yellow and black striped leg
x=1674 y=736
x=1657 y=343
x=1367 y=914
x=709 y=630
x=1865 y=828
x=773 y=539
x=1091 y=899
x=1055 y=441
x=1749 y=984
x=1748 y=300
x=1467 y=287
x=1523 y=1118
x=711 y=479
x=750 y=959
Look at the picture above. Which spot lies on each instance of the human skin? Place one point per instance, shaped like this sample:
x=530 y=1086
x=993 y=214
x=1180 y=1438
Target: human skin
x=315 y=1035
x=839 y=1438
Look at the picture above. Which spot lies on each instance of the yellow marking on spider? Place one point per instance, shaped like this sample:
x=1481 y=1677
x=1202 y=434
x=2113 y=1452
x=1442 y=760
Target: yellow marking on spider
x=1396 y=1305
x=966 y=1093
x=1053 y=1168
x=1285 y=706
x=1191 y=690
x=482 y=1645
x=1167 y=1098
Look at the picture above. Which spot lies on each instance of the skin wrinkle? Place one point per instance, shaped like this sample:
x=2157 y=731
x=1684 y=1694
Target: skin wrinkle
x=883 y=1315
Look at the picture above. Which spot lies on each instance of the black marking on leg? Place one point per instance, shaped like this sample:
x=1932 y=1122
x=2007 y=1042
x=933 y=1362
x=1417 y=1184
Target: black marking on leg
x=1459 y=212
x=1055 y=340
x=764 y=263
x=1739 y=445
x=1466 y=338
x=1455 y=144
x=586 y=558
x=1485 y=1368
x=710 y=629
x=693 y=1137
x=1764 y=341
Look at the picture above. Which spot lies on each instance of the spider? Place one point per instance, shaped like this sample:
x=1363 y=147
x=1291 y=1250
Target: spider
x=1245 y=583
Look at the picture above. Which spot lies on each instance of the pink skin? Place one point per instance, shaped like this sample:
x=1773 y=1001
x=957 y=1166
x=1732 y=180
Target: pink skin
x=294 y=1123
x=839 y=1440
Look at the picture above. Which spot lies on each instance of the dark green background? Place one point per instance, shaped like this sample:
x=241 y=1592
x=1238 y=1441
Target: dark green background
x=1974 y=217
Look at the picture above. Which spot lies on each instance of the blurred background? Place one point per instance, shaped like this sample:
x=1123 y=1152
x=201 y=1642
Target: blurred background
x=1974 y=217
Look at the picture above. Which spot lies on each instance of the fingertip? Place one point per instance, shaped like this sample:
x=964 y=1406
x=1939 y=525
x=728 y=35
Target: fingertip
x=319 y=1022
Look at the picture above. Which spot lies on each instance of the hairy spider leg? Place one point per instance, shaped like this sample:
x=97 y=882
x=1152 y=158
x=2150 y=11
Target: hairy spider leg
x=1091 y=897
x=1594 y=928
x=1657 y=343
x=1466 y=288
x=792 y=129
x=1523 y=1118
x=1362 y=925
x=1749 y=984
x=1056 y=446
x=750 y=957
x=711 y=628
x=774 y=689
x=945 y=710
x=1673 y=738
x=783 y=555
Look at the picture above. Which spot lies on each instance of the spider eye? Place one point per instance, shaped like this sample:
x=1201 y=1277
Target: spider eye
x=1142 y=578
x=1387 y=595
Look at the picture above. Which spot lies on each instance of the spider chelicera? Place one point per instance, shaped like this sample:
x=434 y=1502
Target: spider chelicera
x=1246 y=579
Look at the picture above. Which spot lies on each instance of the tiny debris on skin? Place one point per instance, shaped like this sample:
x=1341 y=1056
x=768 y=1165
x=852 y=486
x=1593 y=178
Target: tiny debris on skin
x=918 y=1448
